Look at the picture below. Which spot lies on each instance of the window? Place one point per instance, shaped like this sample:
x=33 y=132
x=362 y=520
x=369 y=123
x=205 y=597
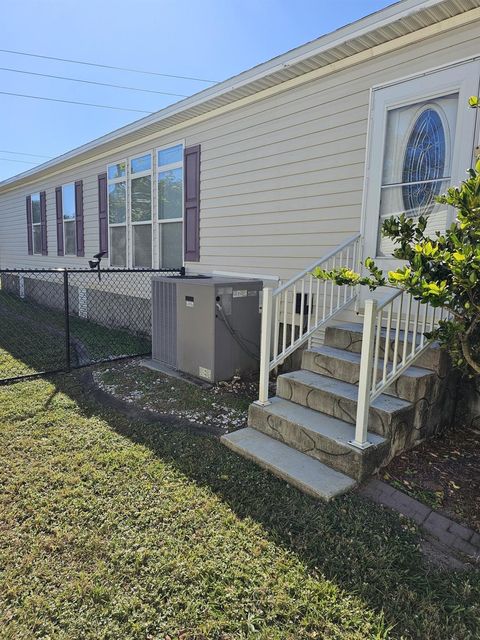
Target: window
x=417 y=162
x=424 y=162
x=170 y=206
x=137 y=237
x=141 y=210
x=117 y=213
x=36 y=223
x=69 y=219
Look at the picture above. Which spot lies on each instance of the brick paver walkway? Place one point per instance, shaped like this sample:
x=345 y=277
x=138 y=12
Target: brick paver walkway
x=452 y=535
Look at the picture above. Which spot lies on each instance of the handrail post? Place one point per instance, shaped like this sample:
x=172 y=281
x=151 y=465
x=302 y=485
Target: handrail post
x=366 y=373
x=265 y=343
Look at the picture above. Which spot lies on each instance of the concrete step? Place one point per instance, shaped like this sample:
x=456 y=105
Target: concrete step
x=302 y=471
x=414 y=383
x=336 y=398
x=348 y=336
x=318 y=435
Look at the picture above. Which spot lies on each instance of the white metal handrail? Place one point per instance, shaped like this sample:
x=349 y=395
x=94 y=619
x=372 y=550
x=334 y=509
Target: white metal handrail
x=393 y=339
x=294 y=311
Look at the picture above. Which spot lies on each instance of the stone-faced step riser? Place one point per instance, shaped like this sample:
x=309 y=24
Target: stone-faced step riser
x=343 y=338
x=409 y=388
x=381 y=422
x=356 y=464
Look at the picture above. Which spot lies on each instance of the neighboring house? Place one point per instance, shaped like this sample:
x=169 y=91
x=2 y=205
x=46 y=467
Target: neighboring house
x=264 y=173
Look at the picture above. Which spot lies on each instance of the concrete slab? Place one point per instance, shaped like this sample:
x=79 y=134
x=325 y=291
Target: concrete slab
x=298 y=469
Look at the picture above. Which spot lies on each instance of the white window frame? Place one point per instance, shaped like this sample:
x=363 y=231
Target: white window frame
x=161 y=169
x=36 y=224
x=72 y=221
x=130 y=223
x=155 y=222
x=118 y=224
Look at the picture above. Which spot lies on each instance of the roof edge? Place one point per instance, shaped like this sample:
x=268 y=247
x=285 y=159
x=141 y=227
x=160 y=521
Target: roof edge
x=368 y=24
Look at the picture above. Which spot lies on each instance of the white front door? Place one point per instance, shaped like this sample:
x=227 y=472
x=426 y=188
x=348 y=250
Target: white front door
x=421 y=141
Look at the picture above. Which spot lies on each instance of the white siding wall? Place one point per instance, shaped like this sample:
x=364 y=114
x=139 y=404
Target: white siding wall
x=281 y=180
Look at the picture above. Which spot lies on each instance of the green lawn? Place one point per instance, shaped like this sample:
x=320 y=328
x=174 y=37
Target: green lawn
x=121 y=530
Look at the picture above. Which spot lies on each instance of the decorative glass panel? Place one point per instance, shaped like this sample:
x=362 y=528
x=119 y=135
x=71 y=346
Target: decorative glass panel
x=424 y=163
x=37 y=238
x=35 y=208
x=68 y=201
x=170 y=194
x=142 y=245
x=171 y=155
x=118 y=246
x=171 y=253
x=117 y=170
x=70 y=242
x=117 y=202
x=141 y=164
x=141 y=199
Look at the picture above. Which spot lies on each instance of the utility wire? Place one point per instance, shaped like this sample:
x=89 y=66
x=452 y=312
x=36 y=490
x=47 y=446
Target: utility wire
x=85 y=104
x=101 y=84
x=22 y=161
x=107 y=66
x=22 y=153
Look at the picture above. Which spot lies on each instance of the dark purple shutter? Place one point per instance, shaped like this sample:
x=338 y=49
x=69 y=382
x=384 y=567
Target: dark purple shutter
x=102 y=213
x=79 y=218
x=43 y=221
x=29 y=226
x=58 y=205
x=192 y=203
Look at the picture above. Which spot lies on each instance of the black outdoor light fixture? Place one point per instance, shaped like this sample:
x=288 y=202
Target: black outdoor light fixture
x=95 y=263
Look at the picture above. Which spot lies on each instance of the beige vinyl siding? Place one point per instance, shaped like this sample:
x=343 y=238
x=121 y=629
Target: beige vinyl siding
x=281 y=178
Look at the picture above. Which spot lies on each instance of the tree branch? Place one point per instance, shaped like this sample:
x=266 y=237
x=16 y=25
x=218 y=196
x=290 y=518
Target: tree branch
x=467 y=352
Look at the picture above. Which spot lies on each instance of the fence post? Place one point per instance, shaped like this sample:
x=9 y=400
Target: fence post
x=365 y=380
x=66 y=305
x=265 y=342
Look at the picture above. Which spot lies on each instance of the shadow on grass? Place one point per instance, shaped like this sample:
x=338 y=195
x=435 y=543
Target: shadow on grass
x=33 y=339
x=368 y=552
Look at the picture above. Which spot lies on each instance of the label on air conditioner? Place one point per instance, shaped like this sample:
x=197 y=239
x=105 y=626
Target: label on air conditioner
x=189 y=301
x=240 y=293
x=203 y=372
x=252 y=293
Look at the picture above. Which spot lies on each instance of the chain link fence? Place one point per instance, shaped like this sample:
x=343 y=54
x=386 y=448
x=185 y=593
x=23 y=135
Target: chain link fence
x=53 y=320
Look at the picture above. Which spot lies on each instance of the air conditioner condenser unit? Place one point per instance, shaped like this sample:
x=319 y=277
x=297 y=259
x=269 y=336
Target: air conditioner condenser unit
x=208 y=327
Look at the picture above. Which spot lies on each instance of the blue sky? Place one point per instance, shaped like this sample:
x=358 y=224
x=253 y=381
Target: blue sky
x=211 y=39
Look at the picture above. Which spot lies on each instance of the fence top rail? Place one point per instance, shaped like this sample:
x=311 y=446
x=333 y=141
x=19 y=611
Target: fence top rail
x=317 y=263
x=93 y=271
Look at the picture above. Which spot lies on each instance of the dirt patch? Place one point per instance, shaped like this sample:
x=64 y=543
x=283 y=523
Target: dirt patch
x=223 y=407
x=443 y=473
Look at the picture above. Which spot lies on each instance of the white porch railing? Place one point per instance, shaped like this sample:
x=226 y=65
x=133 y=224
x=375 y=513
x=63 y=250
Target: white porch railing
x=294 y=311
x=393 y=338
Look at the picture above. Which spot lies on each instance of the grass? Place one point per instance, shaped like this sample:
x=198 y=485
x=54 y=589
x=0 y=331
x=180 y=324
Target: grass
x=115 y=529
x=32 y=339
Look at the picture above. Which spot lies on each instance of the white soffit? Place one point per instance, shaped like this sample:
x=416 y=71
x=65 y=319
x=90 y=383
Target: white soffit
x=399 y=19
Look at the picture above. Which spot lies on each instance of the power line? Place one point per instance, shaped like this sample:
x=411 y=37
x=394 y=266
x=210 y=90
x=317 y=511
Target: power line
x=85 y=104
x=22 y=153
x=101 y=84
x=107 y=66
x=22 y=161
